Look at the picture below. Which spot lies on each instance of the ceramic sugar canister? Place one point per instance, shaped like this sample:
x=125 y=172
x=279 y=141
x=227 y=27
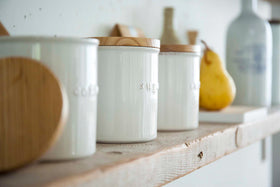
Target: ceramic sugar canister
x=128 y=82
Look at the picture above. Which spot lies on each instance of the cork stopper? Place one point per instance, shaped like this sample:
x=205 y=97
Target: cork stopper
x=192 y=36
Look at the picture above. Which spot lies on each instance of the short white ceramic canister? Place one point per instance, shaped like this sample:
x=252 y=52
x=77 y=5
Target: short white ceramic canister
x=128 y=89
x=275 y=26
x=74 y=62
x=179 y=70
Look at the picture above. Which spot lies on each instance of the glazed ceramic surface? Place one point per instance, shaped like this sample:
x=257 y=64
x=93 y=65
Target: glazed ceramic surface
x=74 y=62
x=127 y=103
x=179 y=91
x=249 y=57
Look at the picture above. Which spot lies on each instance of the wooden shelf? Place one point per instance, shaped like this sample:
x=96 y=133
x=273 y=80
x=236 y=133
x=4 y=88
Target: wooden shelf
x=170 y=156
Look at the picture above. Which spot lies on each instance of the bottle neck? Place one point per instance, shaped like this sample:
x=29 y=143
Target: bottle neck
x=168 y=19
x=249 y=6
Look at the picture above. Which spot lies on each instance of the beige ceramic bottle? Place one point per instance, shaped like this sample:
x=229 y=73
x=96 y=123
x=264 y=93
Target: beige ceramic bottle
x=168 y=34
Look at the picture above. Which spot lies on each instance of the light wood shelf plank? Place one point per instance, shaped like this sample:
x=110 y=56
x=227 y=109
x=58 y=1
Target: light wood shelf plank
x=170 y=156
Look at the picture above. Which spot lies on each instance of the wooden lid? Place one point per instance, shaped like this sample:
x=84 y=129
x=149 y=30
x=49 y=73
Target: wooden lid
x=33 y=111
x=128 y=41
x=127 y=31
x=180 y=48
x=274 y=21
x=3 y=30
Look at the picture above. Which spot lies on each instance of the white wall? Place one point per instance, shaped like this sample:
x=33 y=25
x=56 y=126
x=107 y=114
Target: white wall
x=96 y=17
x=275 y=10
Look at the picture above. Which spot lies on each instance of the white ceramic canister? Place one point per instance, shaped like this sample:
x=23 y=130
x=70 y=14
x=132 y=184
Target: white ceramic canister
x=74 y=62
x=179 y=83
x=275 y=26
x=128 y=89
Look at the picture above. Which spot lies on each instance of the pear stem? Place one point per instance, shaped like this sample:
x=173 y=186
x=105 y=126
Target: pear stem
x=205 y=52
x=205 y=44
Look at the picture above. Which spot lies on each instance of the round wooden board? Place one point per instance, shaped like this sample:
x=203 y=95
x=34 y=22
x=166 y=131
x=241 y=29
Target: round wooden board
x=33 y=111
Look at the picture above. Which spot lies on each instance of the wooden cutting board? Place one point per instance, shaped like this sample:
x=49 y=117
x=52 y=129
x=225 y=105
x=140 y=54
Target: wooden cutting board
x=233 y=114
x=33 y=111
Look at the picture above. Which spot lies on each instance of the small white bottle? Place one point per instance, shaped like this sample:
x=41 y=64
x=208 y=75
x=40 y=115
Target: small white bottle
x=249 y=56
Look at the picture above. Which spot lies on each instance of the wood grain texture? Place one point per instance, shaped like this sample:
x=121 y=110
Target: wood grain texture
x=170 y=156
x=192 y=36
x=32 y=111
x=180 y=48
x=128 y=41
x=3 y=30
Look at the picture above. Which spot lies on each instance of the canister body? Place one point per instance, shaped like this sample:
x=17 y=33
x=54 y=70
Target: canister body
x=179 y=91
x=74 y=62
x=128 y=98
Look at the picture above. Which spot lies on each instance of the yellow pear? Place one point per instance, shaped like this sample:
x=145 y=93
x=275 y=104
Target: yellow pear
x=217 y=89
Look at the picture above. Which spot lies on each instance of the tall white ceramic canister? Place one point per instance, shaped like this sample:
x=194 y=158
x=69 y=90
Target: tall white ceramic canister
x=275 y=26
x=128 y=82
x=74 y=62
x=179 y=87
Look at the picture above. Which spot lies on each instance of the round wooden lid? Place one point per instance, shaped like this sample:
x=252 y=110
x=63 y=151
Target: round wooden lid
x=128 y=41
x=180 y=48
x=33 y=111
